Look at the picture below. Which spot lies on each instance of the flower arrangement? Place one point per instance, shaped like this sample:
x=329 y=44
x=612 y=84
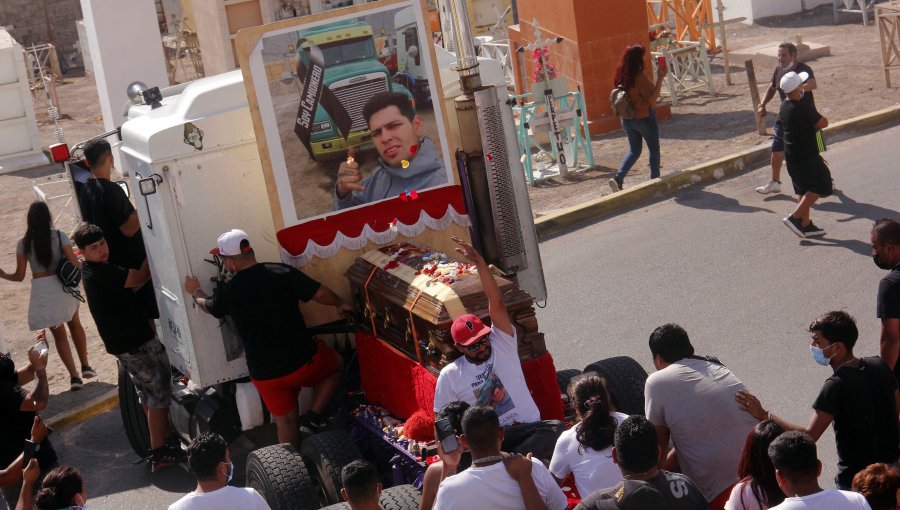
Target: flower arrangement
x=433 y=264
x=543 y=69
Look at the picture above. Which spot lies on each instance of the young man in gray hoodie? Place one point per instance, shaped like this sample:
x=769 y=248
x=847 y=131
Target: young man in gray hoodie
x=407 y=160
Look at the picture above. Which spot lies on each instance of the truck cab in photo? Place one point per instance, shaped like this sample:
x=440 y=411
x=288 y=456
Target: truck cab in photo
x=354 y=74
x=411 y=70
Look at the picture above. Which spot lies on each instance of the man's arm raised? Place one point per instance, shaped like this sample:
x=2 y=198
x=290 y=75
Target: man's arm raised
x=496 y=308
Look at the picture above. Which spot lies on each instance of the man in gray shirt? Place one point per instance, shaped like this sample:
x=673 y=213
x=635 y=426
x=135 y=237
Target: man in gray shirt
x=690 y=399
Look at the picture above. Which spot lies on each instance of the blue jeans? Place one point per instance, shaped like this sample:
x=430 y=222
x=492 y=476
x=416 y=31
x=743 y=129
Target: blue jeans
x=636 y=130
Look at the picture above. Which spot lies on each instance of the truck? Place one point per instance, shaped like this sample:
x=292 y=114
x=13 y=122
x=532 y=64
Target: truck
x=411 y=72
x=185 y=196
x=354 y=73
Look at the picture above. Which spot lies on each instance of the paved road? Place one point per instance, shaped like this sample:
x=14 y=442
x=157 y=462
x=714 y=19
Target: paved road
x=719 y=262
x=716 y=260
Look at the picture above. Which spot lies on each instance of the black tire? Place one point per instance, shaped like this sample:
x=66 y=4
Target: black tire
x=400 y=497
x=564 y=377
x=326 y=454
x=279 y=474
x=625 y=380
x=134 y=419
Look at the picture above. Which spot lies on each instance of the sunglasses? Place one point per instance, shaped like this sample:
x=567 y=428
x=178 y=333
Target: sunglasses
x=477 y=345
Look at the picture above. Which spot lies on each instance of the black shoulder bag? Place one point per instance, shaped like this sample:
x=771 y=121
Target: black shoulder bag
x=67 y=272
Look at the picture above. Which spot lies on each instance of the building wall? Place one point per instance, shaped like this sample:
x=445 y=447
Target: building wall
x=756 y=9
x=42 y=21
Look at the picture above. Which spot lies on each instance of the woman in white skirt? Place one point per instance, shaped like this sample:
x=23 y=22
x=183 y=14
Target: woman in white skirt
x=51 y=306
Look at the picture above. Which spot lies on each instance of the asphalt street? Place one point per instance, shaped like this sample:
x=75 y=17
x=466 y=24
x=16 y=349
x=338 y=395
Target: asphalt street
x=719 y=261
x=716 y=260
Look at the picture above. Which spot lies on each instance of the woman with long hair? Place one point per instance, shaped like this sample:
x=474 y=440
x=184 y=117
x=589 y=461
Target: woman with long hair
x=43 y=247
x=757 y=488
x=585 y=450
x=642 y=93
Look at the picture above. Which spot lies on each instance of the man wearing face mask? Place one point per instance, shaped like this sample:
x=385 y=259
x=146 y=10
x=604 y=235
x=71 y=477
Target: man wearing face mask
x=210 y=462
x=860 y=397
x=886 y=255
x=282 y=357
x=787 y=62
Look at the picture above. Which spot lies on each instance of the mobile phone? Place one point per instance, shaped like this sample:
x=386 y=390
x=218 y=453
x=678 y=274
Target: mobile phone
x=27 y=453
x=661 y=62
x=446 y=435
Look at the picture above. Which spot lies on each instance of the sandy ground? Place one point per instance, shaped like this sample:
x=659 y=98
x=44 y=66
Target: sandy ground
x=703 y=127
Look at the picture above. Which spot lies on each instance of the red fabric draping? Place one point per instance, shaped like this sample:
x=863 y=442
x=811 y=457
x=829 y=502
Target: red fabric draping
x=402 y=386
x=378 y=216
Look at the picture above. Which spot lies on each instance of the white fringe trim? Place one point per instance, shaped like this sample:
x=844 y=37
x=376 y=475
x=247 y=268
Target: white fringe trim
x=367 y=235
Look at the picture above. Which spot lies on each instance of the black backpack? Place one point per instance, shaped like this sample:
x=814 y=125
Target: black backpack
x=68 y=273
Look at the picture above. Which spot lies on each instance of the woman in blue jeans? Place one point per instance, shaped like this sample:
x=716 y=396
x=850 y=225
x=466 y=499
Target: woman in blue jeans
x=643 y=94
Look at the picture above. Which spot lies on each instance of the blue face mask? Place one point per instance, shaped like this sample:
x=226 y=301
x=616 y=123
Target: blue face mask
x=819 y=355
x=230 y=472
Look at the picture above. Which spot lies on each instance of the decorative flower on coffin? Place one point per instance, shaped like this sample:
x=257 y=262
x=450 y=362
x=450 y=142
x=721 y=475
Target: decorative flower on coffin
x=543 y=69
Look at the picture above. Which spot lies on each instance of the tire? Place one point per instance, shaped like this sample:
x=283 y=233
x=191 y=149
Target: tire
x=278 y=473
x=400 y=497
x=625 y=380
x=134 y=419
x=564 y=377
x=326 y=454
x=338 y=506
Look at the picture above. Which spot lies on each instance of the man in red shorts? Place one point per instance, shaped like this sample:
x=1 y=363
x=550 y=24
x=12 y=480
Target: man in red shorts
x=282 y=357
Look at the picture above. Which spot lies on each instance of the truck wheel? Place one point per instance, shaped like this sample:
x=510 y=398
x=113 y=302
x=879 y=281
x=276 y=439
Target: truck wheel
x=400 y=497
x=625 y=380
x=278 y=473
x=339 y=506
x=133 y=417
x=564 y=377
x=326 y=454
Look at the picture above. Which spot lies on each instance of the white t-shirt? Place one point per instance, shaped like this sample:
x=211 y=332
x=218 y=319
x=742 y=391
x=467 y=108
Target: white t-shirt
x=492 y=487
x=695 y=400
x=831 y=499
x=228 y=497
x=742 y=498
x=498 y=382
x=593 y=470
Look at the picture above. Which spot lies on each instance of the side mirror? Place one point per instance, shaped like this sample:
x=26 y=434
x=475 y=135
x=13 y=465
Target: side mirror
x=148 y=184
x=413 y=52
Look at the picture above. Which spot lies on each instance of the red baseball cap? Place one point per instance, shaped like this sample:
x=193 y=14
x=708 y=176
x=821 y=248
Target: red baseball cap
x=468 y=329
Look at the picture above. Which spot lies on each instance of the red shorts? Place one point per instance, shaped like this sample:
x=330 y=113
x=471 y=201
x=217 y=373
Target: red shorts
x=280 y=394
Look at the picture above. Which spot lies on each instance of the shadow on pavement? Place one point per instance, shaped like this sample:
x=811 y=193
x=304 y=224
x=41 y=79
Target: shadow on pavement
x=704 y=199
x=65 y=401
x=854 y=245
x=856 y=210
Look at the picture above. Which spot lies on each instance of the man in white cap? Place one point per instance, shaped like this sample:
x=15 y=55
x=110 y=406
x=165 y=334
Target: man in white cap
x=282 y=357
x=490 y=373
x=808 y=171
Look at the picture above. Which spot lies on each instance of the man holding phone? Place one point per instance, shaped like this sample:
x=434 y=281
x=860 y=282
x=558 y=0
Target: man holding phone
x=18 y=408
x=490 y=361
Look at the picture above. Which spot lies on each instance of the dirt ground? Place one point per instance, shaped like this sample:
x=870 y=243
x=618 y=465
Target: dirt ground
x=703 y=127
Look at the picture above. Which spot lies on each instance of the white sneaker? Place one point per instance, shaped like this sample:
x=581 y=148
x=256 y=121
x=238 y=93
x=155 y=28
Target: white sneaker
x=770 y=187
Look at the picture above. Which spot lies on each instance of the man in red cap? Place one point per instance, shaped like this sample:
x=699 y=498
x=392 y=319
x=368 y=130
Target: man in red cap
x=282 y=357
x=489 y=371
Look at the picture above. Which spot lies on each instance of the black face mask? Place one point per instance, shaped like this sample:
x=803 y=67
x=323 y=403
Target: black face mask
x=880 y=263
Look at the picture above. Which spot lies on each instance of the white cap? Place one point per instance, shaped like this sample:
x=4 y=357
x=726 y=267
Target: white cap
x=229 y=243
x=790 y=81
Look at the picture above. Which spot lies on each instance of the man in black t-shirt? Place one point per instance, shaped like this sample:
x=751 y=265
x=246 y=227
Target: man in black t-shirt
x=105 y=204
x=636 y=450
x=127 y=333
x=886 y=255
x=809 y=173
x=282 y=357
x=18 y=409
x=787 y=62
x=861 y=398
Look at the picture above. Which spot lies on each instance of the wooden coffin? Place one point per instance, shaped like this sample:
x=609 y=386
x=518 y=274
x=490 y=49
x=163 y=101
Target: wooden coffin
x=410 y=295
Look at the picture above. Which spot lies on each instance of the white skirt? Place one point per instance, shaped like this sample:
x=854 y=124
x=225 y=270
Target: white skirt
x=50 y=305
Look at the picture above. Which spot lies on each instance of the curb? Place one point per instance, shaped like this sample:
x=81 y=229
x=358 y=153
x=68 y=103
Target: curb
x=558 y=222
x=85 y=411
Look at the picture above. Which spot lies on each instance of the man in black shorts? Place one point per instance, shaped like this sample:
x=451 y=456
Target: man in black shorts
x=807 y=169
x=636 y=450
x=282 y=357
x=787 y=62
x=886 y=254
x=127 y=333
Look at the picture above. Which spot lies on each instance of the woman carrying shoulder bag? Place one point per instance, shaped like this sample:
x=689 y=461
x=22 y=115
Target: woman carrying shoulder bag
x=643 y=94
x=43 y=247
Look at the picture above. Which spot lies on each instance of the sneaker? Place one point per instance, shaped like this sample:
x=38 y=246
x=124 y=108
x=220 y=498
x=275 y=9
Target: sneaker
x=812 y=230
x=162 y=458
x=615 y=184
x=87 y=372
x=308 y=425
x=772 y=186
x=795 y=225
x=75 y=383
